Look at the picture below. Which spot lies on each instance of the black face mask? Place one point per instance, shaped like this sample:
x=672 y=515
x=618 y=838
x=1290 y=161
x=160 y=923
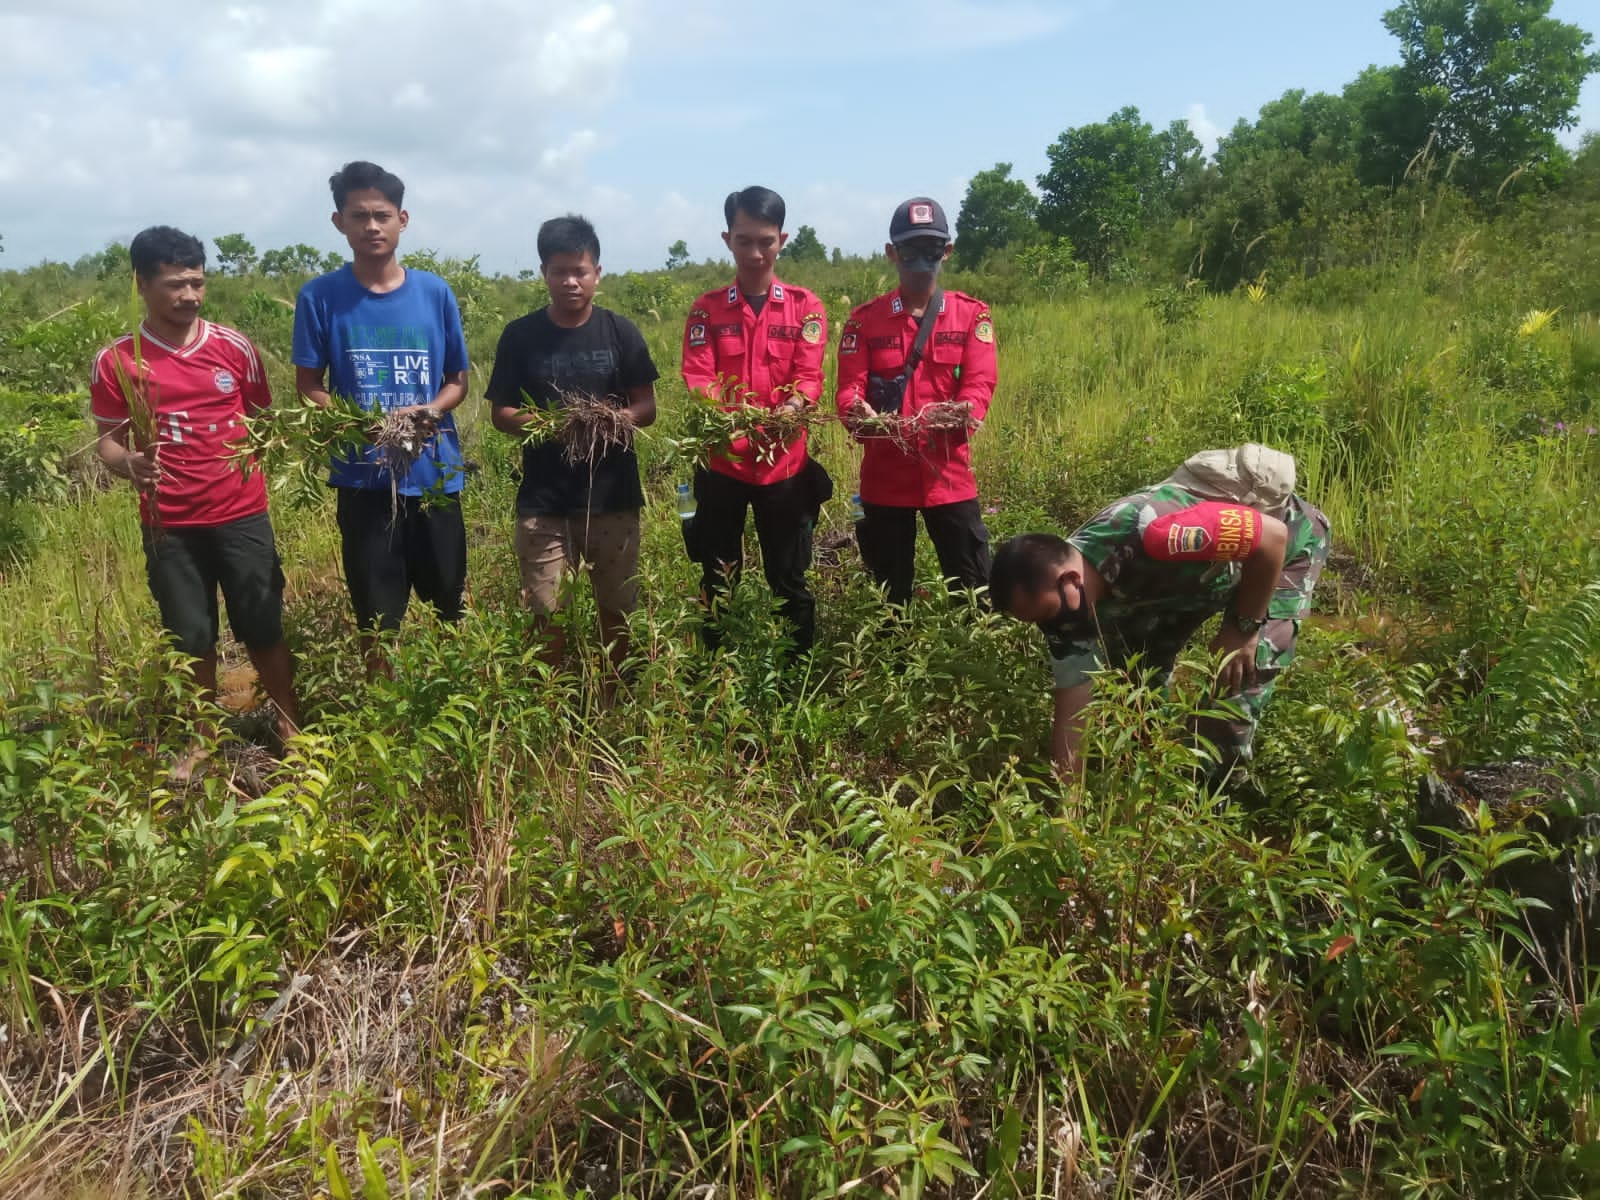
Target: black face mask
x=1065 y=616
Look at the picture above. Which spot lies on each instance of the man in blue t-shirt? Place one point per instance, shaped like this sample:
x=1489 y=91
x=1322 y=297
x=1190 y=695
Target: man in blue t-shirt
x=390 y=339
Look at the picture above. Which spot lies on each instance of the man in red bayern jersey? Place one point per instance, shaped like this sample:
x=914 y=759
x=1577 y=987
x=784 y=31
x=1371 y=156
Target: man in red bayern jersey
x=205 y=519
x=759 y=342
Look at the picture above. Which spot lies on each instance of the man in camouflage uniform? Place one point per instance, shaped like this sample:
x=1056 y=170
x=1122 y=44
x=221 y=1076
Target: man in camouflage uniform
x=1143 y=575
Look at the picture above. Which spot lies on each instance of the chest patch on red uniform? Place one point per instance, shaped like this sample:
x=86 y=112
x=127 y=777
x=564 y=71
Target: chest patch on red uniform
x=729 y=331
x=1205 y=532
x=888 y=342
x=225 y=381
x=950 y=337
x=783 y=333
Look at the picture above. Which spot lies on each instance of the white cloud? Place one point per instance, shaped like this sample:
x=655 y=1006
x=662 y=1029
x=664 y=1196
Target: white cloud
x=236 y=121
x=496 y=113
x=570 y=154
x=1203 y=127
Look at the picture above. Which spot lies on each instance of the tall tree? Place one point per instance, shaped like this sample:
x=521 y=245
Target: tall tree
x=235 y=254
x=1492 y=81
x=804 y=246
x=298 y=259
x=1108 y=180
x=677 y=255
x=1319 y=126
x=998 y=212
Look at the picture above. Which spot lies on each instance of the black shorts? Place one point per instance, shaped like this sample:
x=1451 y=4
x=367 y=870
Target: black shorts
x=392 y=548
x=187 y=564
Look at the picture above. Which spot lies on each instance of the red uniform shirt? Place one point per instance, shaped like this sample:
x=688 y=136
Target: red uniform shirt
x=769 y=356
x=202 y=393
x=958 y=363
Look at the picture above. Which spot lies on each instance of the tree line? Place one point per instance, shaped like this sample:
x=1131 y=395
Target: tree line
x=1475 y=104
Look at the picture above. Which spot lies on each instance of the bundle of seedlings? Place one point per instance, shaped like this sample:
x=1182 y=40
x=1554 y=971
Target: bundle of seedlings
x=588 y=427
x=139 y=394
x=725 y=415
x=400 y=438
x=293 y=440
x=900 y=431
x=946 y=415
x=594 y=428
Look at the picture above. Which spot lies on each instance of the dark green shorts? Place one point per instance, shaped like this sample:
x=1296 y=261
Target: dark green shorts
x=187 y=564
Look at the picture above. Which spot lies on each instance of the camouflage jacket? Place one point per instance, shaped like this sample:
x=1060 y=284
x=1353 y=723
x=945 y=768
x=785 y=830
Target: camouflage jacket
x=1169 y=560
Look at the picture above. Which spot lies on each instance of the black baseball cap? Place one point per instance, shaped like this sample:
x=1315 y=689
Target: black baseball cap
x=918 y=217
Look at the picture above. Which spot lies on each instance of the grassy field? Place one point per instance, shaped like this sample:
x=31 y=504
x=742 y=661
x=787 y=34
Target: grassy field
x=741 y=936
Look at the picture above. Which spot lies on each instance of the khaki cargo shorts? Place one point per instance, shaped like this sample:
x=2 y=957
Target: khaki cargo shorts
x=551 y=547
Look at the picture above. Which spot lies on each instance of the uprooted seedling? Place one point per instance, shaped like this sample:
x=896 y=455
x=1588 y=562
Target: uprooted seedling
x=587 y=427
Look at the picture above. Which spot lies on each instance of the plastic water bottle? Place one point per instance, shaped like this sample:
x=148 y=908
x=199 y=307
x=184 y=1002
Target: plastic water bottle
x=686 y=505
x=857 y=513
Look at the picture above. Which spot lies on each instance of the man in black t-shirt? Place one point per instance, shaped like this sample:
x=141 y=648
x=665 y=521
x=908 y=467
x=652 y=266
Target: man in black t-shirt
x=585 y=512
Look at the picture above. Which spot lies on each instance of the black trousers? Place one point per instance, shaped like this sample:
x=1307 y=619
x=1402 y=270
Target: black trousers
x=391 y=548
x=887 y=536
x=786 y=517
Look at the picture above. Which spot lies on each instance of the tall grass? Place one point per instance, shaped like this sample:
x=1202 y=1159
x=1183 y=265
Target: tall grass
x=757 y=932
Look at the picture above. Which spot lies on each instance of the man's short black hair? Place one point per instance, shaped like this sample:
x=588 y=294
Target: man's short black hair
x=570 y=234
x=359 y=176
x=758 y=203
x=162 y=244
x=1028 y=562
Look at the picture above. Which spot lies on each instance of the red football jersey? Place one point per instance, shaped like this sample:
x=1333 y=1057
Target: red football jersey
x=767 y=356
x=202 y=392
x=958 y=363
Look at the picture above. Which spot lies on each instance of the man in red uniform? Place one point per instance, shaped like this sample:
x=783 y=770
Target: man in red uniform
x=759 y=342
x=925 y=356
x=205 y=519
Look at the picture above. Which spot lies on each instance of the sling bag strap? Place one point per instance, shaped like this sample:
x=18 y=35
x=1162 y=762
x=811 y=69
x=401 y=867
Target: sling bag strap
x=924 y=328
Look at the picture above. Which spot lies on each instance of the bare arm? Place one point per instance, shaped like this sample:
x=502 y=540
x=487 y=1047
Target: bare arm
x=1066 y=735
x=451 y=394
x=312 y=383
x=642 y=405
x=511 y=418
x=141 y=468
x=1258 y=578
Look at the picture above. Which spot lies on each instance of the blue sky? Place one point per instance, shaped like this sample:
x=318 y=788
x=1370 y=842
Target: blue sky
x=641 y=113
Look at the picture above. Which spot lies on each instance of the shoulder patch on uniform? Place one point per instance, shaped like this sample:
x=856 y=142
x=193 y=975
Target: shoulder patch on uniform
x=984 y=329
x=697 y=334
x=733 y=294
x=811 y=328
x=777 y=292
x=850 y=342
